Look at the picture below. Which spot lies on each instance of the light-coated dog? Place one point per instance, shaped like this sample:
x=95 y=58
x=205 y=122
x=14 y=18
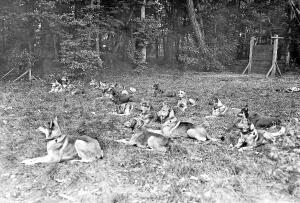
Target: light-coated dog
x=61 y=147
x=183 y=101
x=250 y=137
x=219 y=109
x=144 y=138
x=174 y=128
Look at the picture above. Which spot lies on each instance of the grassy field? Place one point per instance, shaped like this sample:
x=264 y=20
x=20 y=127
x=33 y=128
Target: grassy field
x=190 y=172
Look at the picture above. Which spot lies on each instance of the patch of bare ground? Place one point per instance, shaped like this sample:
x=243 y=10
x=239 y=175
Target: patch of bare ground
x=190 y=172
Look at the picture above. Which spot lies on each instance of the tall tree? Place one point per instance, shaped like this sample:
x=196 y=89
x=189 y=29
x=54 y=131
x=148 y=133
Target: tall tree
x=196 y=27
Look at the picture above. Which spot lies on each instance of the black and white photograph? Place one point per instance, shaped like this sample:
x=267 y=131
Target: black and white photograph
x=142 y=101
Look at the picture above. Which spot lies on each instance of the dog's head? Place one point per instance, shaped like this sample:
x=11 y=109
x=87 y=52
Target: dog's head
x=145 y=106
x=135 y=123
x=181 y=94
x=293 y=127
x=65 y=80
x=51 y=129
x=245 y=126
x=170 y=122
x=165 y=112
x=244 y=113
x=56 y=87
x=124 y=108
x=156 y=86
x=215 y=102
x=93 y=82
x=103 y=85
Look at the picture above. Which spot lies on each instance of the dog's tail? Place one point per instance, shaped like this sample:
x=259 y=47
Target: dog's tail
x=212 y=139
x=125 y=141
x=272 y=136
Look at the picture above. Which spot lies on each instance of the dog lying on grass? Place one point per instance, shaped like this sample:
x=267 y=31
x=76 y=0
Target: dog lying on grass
x=158 y=91
x=62 y=147
x=250 y=137
x=118 y=97
x=219 y=109
x=184 y=101
x=124 y=109
x=165 y=113
x=174 y=128
x=144 y=138
x=148 y=114
x=258 y=120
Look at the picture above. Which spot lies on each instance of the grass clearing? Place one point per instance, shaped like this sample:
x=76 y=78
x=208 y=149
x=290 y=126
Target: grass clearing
x=189 y=172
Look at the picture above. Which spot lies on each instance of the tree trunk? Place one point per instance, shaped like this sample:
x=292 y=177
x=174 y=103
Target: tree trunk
x=55 y=46
x=3 y=37
x=200 y=18
x=167 y=48
x=177 y=46
x=143 y=15
x=157 y=41
x=98 y=49
x=196 y=27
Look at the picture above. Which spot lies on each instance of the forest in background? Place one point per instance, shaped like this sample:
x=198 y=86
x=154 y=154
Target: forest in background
x=88 y=35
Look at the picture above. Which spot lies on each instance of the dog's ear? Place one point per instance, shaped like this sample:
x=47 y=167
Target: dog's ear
x=50 y=124
x=251 y=126
x=55 y=122
x=172 y=113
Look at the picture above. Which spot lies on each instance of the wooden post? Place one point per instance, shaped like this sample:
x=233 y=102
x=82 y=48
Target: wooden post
x=29 y=74
x=21 y=76
x=248 y=67
x=7 y=73
x=274 y=65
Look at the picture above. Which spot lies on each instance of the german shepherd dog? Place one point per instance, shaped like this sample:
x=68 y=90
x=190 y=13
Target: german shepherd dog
x=165 y=112
x=62 y=147
x=147 y=112
x=258 y=120
x=293 y=128
x=118 y=97
x=250 y=137
x=144 y=138
x=219 y=109
x=158 y=91
x=124 y=109
x=174 y=128
x=184 y=101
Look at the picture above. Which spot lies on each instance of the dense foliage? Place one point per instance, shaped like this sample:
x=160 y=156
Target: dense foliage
x=94 y=34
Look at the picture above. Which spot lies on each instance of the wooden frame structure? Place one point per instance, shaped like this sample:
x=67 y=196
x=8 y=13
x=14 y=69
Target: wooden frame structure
x=248 y=67
x=28 y=71
x=274 y=66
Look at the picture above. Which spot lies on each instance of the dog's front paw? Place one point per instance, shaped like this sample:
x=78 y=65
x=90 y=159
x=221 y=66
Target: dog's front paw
x=28 y=162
